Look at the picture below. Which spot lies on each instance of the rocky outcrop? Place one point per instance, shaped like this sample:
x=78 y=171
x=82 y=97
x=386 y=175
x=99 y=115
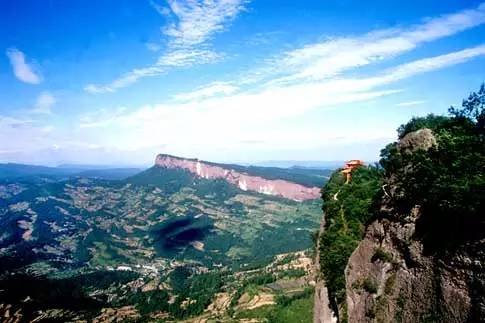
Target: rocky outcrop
x=244 y=181
x=322 y=311
x=421 y=139
x=390 y=277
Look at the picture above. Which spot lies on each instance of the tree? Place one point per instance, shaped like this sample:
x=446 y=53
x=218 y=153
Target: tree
x=473 y=108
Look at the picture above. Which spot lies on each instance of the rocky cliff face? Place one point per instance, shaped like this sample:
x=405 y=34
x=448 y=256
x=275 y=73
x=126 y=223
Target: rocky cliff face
x=244 y=181
x=391 y=278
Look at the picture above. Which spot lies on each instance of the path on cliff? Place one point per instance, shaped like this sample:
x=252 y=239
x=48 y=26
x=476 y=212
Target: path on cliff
x=321 y=305
x=335 y=196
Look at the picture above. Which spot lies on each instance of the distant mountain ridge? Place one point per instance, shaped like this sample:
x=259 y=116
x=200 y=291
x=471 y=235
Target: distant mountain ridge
x=286 y=184
x=14 y=170
x=310 y=164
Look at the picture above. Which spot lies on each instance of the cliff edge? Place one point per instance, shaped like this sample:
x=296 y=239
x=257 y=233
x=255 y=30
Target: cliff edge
x=397 y=274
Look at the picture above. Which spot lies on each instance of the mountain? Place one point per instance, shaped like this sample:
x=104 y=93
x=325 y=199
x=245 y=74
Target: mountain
x=109 y=173
x=405 y=241
x=169 y=242
x=12 y=170
x=302 y=164
x=276 y=181
x=18 y=170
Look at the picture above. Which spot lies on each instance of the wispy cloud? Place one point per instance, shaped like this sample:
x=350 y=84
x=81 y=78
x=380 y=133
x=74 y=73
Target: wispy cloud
x=336 y=55
x=172 y=59
x=411 y=103
x=153 y=47
x=207 y=91
x=9 y=122
x=195 y=21
x=191 y=25
x=22 y=70
x=44 y=103
x=431 y=64
x=280 y=104
x=245 y=115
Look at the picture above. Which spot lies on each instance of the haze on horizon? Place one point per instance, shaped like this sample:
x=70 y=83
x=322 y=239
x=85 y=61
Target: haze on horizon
x=117 y=82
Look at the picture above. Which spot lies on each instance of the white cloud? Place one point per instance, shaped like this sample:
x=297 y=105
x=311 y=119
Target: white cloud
x=19 y=136
x=187 y=57
x=192 y=24
x=195 y=21
x=411 y=103
x=177 y=58
x=22 y=70
x=334 y=56
x=205 y=120
x=431 y=64
x=45 y=101
x=9 y=122
x=210 y=90
x=282 y=111
x=153 y=47
x=126 y=79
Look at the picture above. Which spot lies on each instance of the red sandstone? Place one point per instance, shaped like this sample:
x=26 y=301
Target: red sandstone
x=244 y=181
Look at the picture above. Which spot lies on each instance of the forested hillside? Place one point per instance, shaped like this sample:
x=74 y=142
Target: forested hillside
x=399 y=229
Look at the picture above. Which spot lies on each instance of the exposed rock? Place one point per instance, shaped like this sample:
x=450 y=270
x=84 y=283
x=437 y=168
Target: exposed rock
x=412 y=286
x=244 y=181
x=122 y=314
x=420 y=139
x=389 y=278
x=322 y=311
x=220 y=303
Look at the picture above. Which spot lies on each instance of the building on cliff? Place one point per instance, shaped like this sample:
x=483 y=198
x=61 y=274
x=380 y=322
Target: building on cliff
x=349 y=167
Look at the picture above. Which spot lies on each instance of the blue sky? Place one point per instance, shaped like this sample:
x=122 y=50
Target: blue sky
x=116 y=82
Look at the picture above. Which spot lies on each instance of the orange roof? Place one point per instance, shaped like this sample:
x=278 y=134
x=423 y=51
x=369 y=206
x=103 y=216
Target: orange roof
x=355 y=162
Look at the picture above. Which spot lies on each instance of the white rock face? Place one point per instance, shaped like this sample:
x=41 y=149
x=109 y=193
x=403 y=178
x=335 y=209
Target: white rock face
x=243 y=185
x=268 y=190
x=244 y=181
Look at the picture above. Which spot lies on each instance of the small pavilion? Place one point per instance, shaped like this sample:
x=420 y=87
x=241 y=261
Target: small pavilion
x=349 y=167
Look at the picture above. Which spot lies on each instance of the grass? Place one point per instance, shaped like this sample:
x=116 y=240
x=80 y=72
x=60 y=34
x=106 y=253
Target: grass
x=298 y=311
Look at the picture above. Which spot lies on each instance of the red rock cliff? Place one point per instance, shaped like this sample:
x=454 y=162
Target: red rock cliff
x=244 y=181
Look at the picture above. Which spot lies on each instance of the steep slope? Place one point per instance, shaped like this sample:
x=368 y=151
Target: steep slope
x=418 y=255
x=418 y=270
x=245 y=181
x=348 y=207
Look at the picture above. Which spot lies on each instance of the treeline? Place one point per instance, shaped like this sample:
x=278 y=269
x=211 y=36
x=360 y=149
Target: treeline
x=193 y=293
x=447 y=180
x=65 y=293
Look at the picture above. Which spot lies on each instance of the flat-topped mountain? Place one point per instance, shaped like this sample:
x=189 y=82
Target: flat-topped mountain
x=297 y=187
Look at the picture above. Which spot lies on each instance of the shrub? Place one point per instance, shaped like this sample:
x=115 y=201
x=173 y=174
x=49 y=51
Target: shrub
x=369 y=285
x=389 y=285
x=380 y=254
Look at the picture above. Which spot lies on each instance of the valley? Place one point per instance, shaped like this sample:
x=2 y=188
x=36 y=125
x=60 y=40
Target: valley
x=165 y=244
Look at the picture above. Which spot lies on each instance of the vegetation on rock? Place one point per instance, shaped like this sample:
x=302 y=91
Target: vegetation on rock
x=348 y=208
x=436 y=172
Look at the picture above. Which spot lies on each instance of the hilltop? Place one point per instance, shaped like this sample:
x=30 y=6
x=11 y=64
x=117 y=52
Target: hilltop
x=404 y=239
